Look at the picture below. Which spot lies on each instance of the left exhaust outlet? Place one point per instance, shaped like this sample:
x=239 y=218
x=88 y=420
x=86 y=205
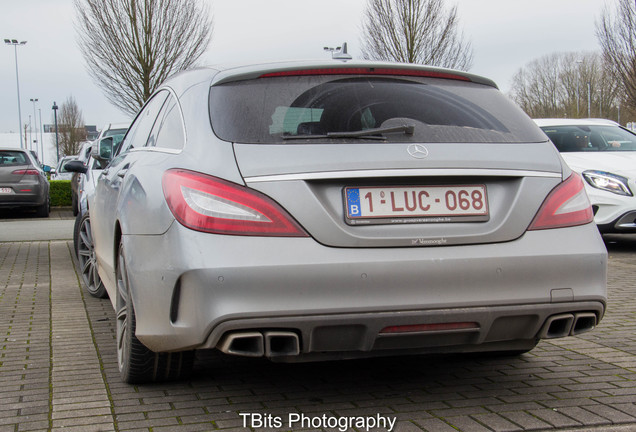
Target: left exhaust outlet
x=248 y=344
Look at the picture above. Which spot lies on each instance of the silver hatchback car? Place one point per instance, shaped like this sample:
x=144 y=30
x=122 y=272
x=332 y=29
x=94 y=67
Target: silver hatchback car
x=327 y=210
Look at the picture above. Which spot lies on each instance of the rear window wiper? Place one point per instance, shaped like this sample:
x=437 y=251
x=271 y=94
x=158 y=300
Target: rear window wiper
x=375 y=133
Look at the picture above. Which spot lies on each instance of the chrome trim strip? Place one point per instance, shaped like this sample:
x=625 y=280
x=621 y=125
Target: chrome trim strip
x=401 y=173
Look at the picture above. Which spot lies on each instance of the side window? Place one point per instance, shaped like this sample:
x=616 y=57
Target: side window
x=140 y=129
x=168 y=131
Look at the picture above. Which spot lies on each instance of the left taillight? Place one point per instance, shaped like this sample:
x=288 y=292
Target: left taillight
x=567 y=205
x=209 y=204
x=26 y=172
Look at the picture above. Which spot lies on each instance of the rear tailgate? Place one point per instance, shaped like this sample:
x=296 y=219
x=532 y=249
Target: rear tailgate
x=311 y=180
x=7 y=176
x=387 y=156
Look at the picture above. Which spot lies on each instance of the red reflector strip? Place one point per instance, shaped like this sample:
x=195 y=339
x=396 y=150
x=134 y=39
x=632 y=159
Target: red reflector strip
x=366 y=71
x=430 y=327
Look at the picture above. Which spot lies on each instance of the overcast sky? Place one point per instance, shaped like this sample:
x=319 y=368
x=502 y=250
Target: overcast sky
x=505 y=35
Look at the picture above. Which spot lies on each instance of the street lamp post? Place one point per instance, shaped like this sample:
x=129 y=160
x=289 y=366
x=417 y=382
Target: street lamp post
x=29 y=140
x=57 y=142
x=35 y=120
x=41 y=139
x=15 y=44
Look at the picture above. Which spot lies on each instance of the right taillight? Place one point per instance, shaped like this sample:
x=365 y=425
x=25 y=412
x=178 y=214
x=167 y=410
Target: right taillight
x=567 y=205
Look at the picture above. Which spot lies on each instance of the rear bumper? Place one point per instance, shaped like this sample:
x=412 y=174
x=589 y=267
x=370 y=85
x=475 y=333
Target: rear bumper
x=613 y=213
x=506 y=328
x=35 y=196
x=625 y=224
x=191 y=290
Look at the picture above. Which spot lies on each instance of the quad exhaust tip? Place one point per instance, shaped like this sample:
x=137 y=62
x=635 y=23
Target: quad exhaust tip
x=562 y=325
x=258 y=344
x=281 y=343
x=247 y=344
x=583 y=322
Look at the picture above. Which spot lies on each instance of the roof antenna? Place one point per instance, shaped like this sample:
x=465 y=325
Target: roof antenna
x=339 y=53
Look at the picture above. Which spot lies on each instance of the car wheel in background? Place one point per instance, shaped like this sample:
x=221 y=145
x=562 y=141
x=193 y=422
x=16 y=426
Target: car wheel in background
x=44 y=209
x=74 y=205
x=85 y=250
x=76 y=226
x=138 y=364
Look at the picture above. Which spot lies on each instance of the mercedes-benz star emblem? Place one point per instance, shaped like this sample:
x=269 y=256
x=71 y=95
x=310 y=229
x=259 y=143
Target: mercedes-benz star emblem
x=418 y=151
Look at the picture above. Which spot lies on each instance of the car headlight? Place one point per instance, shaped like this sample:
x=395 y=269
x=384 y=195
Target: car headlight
x=608 y=182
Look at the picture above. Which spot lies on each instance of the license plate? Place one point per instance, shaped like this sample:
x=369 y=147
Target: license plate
x=6 y=191
x=416 y=204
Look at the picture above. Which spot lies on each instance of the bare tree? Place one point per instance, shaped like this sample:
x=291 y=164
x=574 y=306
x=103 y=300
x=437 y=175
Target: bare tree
x=414 y=31
x=132 y=46
x=71 y=128
x=616 y=33
x=562 y=84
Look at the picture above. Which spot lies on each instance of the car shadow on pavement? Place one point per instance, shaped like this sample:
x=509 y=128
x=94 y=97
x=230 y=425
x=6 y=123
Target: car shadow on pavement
x=536 y=390
x=18 y=214
x=620 y=242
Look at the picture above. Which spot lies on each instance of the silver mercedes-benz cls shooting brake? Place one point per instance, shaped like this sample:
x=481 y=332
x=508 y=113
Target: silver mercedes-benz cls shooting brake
x=327 y=210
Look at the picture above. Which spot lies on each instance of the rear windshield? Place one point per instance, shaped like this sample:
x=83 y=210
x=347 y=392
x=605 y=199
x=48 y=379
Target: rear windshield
x=591 y=138
x=301 y=108
x=10 y=157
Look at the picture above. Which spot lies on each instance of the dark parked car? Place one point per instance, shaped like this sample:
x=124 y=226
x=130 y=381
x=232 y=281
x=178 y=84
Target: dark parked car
x=23 y=183
x=327 y=210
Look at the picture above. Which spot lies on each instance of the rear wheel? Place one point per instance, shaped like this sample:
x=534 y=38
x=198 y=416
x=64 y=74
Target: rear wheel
x=85 y=250
x=138 y=364
x=74 y=205
x=44 y=209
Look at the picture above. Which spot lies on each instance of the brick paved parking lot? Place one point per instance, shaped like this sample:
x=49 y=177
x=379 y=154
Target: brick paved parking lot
x=58 y=371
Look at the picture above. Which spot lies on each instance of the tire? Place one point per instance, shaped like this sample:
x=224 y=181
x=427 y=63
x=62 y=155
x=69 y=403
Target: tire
x=74 y=205
x=44 y=209
x=138 y=364
x=76 y=226
x=85 y=251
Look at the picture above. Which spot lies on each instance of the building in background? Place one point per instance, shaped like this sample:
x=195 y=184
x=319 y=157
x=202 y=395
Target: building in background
x=12 y=140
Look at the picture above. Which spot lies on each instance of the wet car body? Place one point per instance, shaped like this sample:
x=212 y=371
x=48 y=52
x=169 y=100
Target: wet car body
x=254 y=234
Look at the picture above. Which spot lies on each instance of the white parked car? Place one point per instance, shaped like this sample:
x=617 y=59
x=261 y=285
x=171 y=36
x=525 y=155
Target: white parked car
x=604 y=153
x=60 y=171
x=87 y=170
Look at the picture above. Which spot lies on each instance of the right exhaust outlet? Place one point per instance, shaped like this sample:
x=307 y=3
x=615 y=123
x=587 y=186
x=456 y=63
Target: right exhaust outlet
x=567 y=324
x=557 y=326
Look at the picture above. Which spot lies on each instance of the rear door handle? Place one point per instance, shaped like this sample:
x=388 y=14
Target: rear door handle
x=122 y=172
